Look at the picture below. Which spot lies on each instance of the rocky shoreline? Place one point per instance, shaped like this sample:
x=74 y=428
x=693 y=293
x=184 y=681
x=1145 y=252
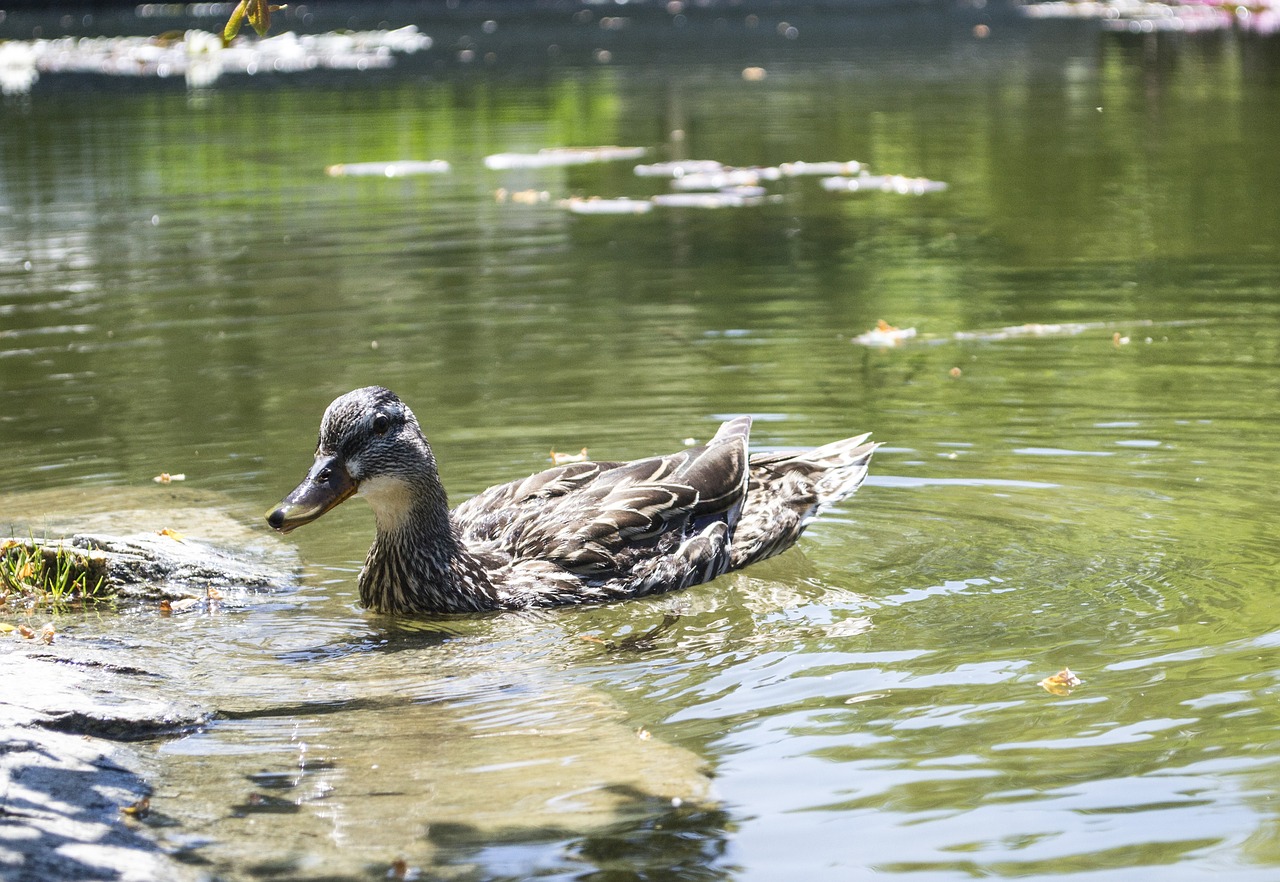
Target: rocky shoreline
x=73 y=779
x=79 y=718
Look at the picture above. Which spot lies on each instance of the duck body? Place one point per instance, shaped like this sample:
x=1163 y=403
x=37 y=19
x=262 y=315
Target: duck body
x=585 y=532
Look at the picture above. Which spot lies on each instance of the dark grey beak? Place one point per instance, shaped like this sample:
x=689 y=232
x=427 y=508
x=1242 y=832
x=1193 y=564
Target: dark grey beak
x=326 y=486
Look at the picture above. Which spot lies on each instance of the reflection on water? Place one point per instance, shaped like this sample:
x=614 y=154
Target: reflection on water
x=183 y=289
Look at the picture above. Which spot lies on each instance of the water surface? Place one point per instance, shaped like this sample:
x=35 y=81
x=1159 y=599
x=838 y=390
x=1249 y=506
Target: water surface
x=183 y=289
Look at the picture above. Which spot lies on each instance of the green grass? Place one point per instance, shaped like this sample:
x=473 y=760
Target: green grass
x=35 y=575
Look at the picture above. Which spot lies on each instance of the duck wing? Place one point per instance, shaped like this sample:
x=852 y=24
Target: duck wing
x=602 y=520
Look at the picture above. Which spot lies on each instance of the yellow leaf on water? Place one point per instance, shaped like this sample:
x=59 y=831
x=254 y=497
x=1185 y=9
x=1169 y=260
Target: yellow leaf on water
x=172 y=534
x=1060 y=683
x=6 y=628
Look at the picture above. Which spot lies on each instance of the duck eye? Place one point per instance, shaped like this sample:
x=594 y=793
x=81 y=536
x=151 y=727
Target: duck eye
x=381 y=423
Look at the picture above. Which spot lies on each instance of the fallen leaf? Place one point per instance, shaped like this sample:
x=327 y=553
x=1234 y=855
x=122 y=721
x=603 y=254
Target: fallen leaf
x=26 y=632
x=139 y=809
x=212 y=593
x=172 y=534
x=47 y=633
x=1061 y=683
x=6 y=628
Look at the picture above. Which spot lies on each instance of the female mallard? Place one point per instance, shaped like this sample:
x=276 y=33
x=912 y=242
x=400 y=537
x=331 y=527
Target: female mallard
x=579 y=533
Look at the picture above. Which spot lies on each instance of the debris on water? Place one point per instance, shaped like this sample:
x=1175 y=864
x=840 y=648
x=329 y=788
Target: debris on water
x=1137 y=17
x=954 y=372
x=139 y=809
x=882 y=184
x=724 y=178
x=707 y=183
x=885 y=335
x=596 y=205
x=182 y=604
x=754 y=74
x=800 y=169
x=678 y=168
x=1060 y=683
x=562 y=458
x=723 y=199
x=199 y=56
x=397 y=169
x=166 y=478
x=1031 y=329
x=521 y=197
x=554 y=157
x=171 y=534
x=47 y=633
x=1118 y=340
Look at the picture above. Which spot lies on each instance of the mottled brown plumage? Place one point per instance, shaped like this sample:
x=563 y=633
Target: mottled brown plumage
x=579 y=533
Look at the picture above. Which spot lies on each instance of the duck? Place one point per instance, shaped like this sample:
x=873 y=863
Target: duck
x=581 y=532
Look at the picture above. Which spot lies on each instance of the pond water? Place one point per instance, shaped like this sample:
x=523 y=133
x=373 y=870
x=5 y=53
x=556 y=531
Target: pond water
x=183 y=289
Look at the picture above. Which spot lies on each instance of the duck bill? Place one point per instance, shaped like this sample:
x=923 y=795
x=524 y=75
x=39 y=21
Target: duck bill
x=326 y=486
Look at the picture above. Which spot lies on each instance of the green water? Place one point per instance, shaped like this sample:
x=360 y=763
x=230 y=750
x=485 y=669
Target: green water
x=183 y=289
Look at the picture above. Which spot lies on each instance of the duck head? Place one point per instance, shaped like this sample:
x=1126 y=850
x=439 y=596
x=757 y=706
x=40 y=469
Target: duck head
x=370 y=444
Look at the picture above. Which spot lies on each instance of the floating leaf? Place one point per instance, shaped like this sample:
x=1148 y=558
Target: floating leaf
x=1061 y=683
x=6 y=628
x=47 y=633
x=26 y=632
x=172 y=534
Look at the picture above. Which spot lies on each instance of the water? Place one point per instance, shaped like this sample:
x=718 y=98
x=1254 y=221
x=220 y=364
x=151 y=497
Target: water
x=182 y=289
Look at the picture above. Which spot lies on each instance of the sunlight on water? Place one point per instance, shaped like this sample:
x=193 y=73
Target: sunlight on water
x=1076 y=471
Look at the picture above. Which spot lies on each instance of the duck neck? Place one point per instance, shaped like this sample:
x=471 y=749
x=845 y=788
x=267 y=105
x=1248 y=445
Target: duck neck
x=417 y=564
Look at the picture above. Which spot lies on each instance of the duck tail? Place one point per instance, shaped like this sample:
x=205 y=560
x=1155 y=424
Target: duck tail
x=841 y=468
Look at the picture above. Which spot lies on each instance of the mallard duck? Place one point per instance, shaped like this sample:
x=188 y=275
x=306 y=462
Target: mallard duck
x=584 y=532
